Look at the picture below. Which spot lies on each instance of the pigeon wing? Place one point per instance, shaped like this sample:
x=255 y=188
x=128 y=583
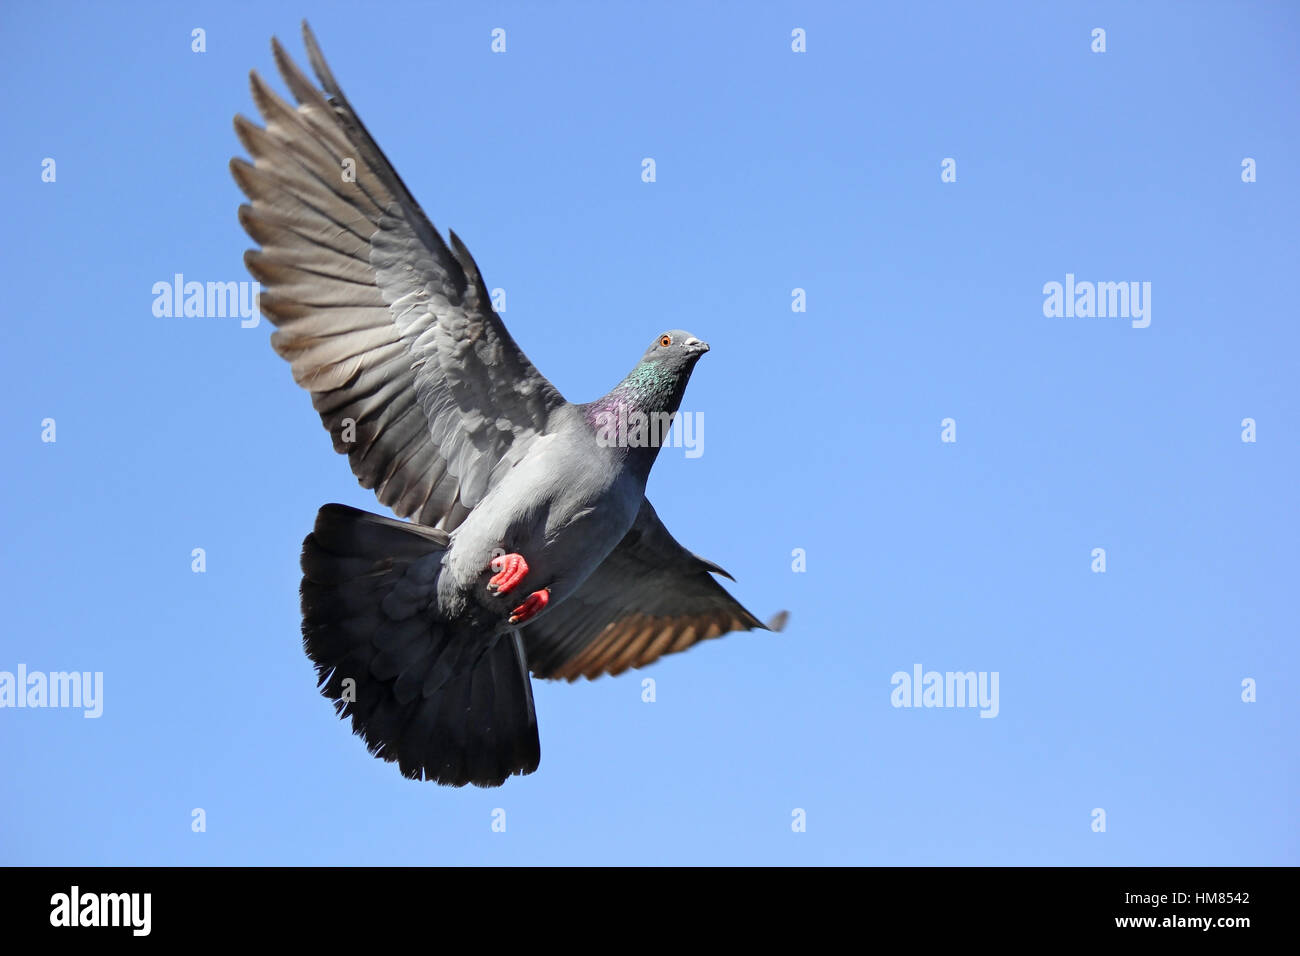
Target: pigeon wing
x=390 y=328
x=648 y=598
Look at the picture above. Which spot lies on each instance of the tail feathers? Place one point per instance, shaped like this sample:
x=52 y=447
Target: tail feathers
x=446 y=701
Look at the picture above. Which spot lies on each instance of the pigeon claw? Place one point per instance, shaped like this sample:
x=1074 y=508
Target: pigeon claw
x=510 y=570
x=531 y=607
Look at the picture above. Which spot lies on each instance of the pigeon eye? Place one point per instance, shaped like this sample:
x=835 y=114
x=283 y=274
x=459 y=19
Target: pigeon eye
x=665 y=340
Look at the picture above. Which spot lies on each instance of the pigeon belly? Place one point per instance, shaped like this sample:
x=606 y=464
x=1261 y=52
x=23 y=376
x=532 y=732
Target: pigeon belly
x=563 y=512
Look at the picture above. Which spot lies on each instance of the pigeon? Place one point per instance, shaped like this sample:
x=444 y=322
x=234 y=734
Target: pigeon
x=529 y=548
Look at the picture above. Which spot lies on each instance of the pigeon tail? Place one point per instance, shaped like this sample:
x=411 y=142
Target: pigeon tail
x=449 y=701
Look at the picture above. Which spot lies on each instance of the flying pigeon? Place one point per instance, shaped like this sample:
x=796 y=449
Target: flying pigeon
x=531 y=546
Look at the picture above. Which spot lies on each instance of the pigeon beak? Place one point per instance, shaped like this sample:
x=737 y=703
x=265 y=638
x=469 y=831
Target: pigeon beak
x=695 y=346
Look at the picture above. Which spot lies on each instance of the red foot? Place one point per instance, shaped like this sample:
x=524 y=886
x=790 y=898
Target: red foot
x=531 y=607
x=511 y=569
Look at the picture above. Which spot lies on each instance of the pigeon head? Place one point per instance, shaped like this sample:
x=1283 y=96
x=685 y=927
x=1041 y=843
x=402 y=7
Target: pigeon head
x=657 y=382
x=652 y=391
x=676 y=348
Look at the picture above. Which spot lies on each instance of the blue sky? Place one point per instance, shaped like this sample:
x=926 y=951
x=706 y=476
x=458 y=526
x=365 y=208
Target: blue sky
x=775 y=171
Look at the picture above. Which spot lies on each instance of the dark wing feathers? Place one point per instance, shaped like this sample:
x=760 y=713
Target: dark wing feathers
x=390 y=328
x=648 y=598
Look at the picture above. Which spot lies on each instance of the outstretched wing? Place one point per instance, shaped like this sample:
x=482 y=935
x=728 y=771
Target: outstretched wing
x=648 y=598
x=392 y=332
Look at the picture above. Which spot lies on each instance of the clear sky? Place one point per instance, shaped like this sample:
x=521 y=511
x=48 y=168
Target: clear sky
x=823 y=170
